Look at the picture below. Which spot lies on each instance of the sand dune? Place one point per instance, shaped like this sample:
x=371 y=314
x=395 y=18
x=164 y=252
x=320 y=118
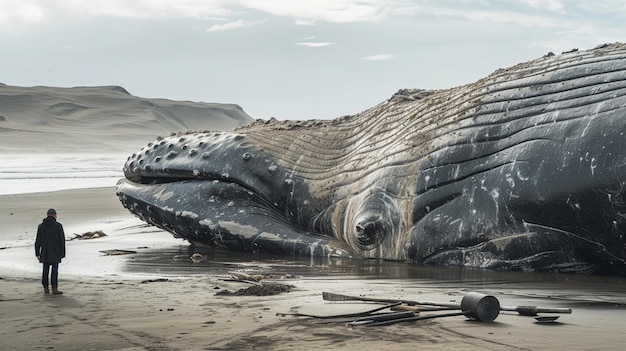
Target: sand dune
x=100 y=119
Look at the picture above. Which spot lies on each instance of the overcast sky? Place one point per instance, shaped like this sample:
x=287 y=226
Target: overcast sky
x=288 y=59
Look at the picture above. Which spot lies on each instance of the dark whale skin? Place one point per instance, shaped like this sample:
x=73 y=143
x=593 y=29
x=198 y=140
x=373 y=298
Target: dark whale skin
x=522 y=170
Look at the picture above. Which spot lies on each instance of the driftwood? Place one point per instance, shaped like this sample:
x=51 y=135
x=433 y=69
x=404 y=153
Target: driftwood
x=89 y=235
x=116 y=252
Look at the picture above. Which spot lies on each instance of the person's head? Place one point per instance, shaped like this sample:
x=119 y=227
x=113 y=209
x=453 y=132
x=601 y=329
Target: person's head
x=52 y=212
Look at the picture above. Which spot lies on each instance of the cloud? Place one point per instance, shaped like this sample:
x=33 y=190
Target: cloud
x=551 y=5
x=529 y=13
x=21 y=14
x=302 y=12
x=231 y=25
x=381 y=57
x=304 y=22
x=314 y=44
x=16 y=13
x=336 y=11
x=146 y=9
x=305 y=11
x=511 y=17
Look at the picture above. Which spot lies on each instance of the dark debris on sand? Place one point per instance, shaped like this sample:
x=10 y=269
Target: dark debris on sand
x=263 y=289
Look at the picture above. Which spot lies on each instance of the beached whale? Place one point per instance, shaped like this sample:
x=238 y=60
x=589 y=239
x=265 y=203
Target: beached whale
x=522 y=170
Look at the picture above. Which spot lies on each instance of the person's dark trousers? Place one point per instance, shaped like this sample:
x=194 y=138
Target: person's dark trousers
x=54 y=275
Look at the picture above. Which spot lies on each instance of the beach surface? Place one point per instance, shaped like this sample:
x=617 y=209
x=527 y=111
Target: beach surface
x=157 y=298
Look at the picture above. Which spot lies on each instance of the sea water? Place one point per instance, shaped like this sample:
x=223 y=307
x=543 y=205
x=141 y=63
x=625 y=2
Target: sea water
x=42 y=172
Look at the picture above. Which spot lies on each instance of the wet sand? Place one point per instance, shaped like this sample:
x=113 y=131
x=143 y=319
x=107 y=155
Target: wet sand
x=159 y=299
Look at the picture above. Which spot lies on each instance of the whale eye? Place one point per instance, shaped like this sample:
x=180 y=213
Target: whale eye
x=370 y=231
x=376 y=219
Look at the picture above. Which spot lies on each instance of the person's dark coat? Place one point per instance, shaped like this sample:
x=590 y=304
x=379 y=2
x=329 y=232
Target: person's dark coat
x=50 y=242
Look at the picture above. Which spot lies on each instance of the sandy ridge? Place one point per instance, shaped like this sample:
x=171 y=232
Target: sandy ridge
x=100 y=119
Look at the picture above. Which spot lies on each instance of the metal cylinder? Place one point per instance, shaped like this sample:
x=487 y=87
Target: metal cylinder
x=484 y=308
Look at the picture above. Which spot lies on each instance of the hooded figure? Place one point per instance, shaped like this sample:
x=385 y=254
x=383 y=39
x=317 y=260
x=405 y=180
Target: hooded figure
x=50 y=249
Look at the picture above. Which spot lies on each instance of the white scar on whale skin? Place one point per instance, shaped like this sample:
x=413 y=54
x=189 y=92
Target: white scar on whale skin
x=163 y=195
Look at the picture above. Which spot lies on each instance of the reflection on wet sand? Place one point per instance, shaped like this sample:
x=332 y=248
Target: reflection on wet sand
x=571 y=289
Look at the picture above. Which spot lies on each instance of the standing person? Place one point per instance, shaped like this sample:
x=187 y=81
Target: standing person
x=50 y=249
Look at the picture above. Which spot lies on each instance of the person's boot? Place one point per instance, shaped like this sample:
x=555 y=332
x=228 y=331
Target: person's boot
x=56 y=291
x=45 y=289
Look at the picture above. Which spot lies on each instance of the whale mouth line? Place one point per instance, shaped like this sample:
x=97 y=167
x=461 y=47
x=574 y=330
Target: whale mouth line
x=170 y=179
x=156 y=181
x=162 y=180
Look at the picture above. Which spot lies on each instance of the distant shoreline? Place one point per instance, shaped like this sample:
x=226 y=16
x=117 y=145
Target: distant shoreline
x=30 y=172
